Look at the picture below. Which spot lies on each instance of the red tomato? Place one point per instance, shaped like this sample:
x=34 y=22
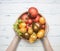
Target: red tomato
x=27 y=26
x=43 y=26
x=29 y=21
x=36 y=19
x=33 y=12
x=25 y=17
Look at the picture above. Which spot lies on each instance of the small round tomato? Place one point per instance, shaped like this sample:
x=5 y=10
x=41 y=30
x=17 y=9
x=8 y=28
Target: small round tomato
x=33 y=12
x=23 y=30
x=40 y=34
x=36 y=19
x=29 y=21
x=22 y=25
x=26 y=35
x=43 y=26
x=28 y=25
x=30 y=30
x=42 y=20
x=32 y=38
x=25 y=17
x=36 y=27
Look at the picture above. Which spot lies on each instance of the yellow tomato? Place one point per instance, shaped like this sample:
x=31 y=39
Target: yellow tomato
x=32 y=38
x=30 y=30
x=22 y=25
x=23 y=30
x=42 y=20
x=31 y=41
x=41 y=33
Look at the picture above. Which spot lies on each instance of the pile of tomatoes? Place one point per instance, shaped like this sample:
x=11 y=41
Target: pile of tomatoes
x=31 y=25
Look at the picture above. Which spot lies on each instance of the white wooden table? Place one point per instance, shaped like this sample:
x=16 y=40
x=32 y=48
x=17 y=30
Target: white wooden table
x=11 y=9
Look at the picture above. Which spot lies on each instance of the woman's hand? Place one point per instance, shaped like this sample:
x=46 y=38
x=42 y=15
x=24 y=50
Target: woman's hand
x=14 y=44
x=46 y=42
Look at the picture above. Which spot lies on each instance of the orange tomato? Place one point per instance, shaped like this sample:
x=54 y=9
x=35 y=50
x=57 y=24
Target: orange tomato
x=23 y=30
x=22 y=25
x=30 y=30
x=40 y=34
x=42 y=20
x=32 y=38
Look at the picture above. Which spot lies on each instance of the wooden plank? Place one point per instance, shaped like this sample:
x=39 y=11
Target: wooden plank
x=54 y=41
x=30 y=1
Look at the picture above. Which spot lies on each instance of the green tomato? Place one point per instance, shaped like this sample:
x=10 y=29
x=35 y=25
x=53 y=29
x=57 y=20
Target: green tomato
x=20 y=21
x=19 y=33
x=15 y=26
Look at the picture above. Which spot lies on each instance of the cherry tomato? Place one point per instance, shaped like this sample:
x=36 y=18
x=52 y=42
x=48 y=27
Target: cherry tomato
x=32 y=38
x=30 y=30
x=26 y=36
x=25 y=17
x=42 y=20
x=43 y=26
x=28 y=25
x=22 y=25
x=36 y=19
x=23 y=30
x=40 y=34
x=29 y=21
x=36 y=27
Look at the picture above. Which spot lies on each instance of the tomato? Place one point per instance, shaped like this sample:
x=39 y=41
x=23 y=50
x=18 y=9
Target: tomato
x=36 y=19
x=42 y=20
x=22 y=25
x=28 y=25
x=29 y=21
x=32 y=38
x=23 y=30
x=43 y=26
x=30 y=30
x=25 y=17
x=40 y=34
x=26 y=36
x=36 y=27
x=33 y=12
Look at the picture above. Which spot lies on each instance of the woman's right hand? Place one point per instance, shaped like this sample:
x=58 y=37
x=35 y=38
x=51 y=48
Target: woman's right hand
x=46 y=44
